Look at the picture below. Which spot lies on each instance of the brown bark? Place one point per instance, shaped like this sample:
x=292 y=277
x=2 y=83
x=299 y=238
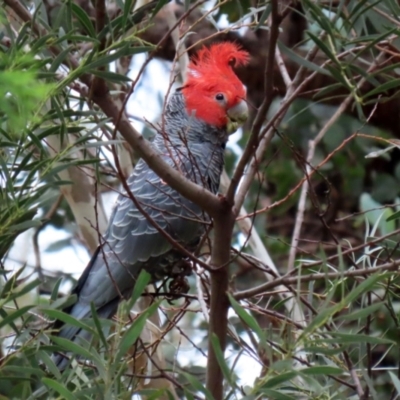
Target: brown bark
x=219 y=304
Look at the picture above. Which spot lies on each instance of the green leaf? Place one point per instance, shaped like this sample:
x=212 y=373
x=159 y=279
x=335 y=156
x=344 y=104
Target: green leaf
x=322 y=93
x=142 y=12
x=379 y=153
x=101 y=143
x=23 y=226
x=362 y=313
x=197 y=385
x=346 y=338
x=338 y=75
x=323 y=47
x=376 y=213
x=76 y=349
x=49 y=363
x=274 y=394
x=126 y=10
x=322 y=370
x=394 y=83
x=142 y=281
x=321 y=18
x=98 y=325
x=279 y=379
x=248 y=320
x=22 y=370
x=265 y=14
x=23 y=289
x=56 y=288
x=323 y=350
x=66 y=318
x=360 y=9
x=83 y=18
x=134 y=331
x=111 y=76
x=221 y=360
x=363 y=287
x=153 y=394
x=396 y=381
x=327 y=313
x=320 y=319
x=394 y=216
x=302 y=61
x=8 y=286
x=57 y=169
x=157 y=8
x=62 y=303
x=59 y=59
x=72 y=347
x=59 y=388
x=103 y=60
x=13 y=315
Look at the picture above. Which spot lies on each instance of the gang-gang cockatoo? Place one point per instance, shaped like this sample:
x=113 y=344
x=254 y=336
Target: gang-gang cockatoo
x=198 y=119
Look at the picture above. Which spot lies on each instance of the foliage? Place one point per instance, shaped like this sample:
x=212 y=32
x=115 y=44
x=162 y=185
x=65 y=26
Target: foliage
x=344 y=274
x=21 y=92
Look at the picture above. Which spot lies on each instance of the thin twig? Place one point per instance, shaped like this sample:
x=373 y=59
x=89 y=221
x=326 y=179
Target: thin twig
x=303 y=194
x=288 y=279
x=310 y=156
x=253 y=142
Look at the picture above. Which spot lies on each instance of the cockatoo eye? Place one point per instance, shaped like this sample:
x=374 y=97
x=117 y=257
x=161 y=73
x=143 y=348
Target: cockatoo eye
x=219 y=97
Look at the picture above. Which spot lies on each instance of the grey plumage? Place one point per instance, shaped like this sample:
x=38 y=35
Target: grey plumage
x=131 y=242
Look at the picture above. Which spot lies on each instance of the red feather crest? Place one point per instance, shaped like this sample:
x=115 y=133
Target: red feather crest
x=211 y=72
x=219 y=55
x=212 y=67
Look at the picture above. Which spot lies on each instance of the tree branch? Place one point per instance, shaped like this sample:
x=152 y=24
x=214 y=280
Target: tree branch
x=174 y=178
x=261 y=115
x=219 y=304
x=288 y=279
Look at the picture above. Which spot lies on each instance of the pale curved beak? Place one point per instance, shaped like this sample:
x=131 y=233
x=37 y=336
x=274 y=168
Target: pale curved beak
x=237 y=116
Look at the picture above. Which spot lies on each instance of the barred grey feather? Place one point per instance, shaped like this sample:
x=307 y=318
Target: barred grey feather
x=131 y=241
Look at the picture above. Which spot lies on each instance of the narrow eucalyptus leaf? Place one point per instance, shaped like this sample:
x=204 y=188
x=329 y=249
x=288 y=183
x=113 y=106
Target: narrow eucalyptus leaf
x=134 y=331
x=276 y=395
x=142 y=281
x=66 y=318
x=396 y=381
x=197 y=385
x=12 y=316
x=221 y=360
x=322 y=370
x=362 y=313
x=157 y=8
x=59 y=388
x=302 y=61
x=83 y=18
x=98 y=326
